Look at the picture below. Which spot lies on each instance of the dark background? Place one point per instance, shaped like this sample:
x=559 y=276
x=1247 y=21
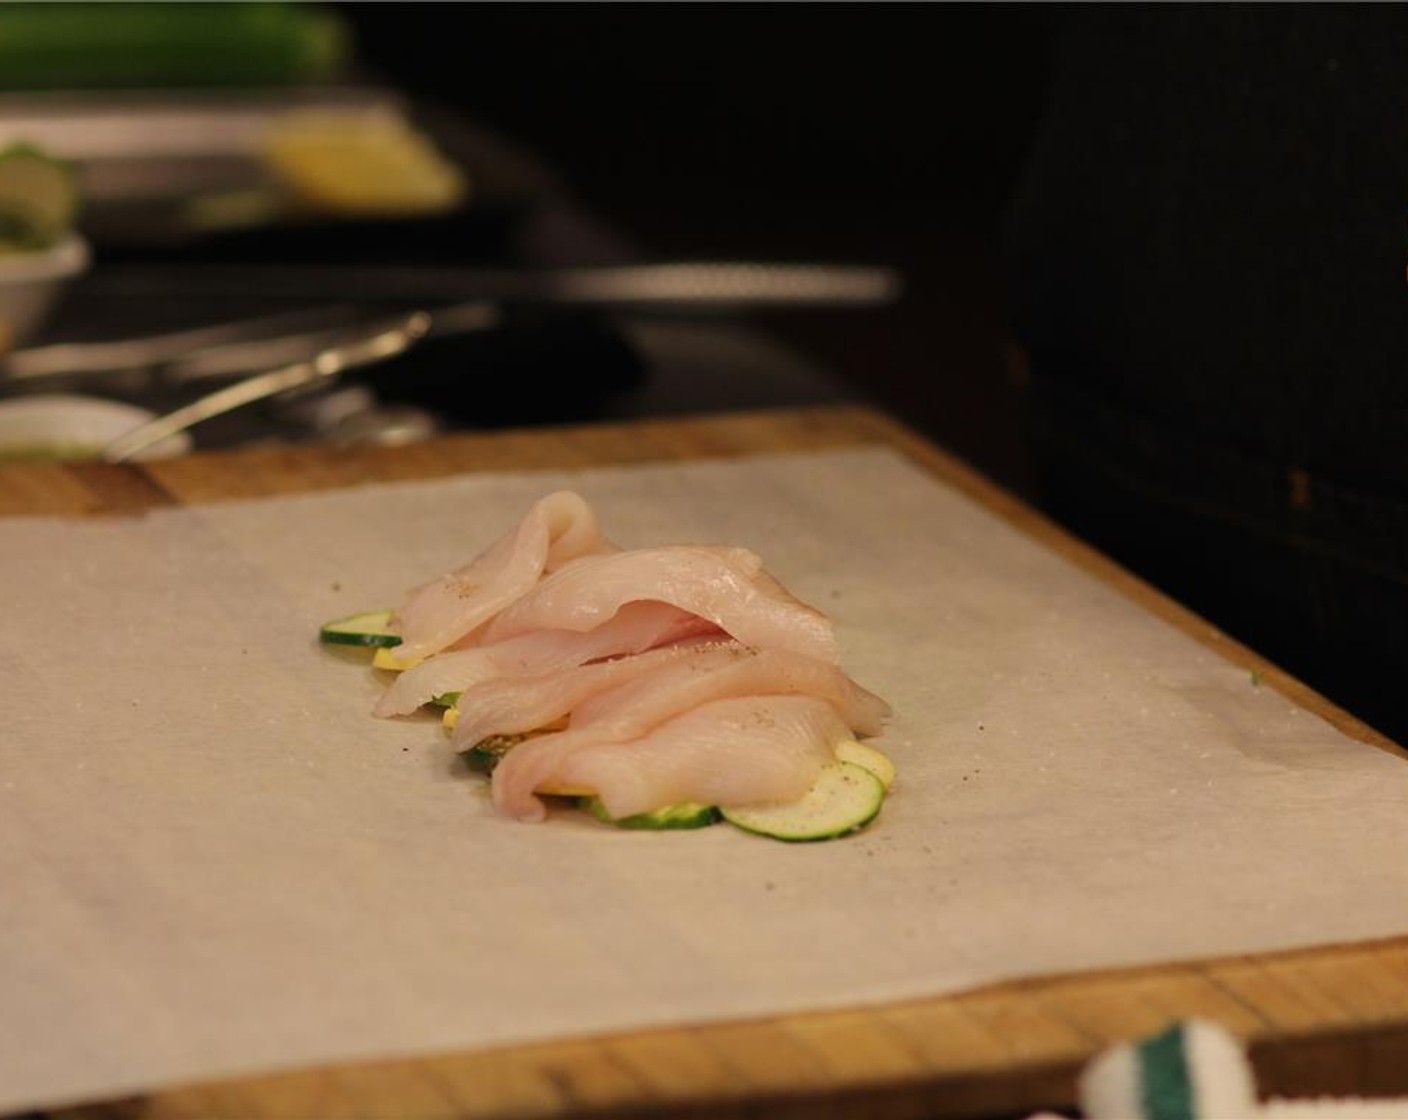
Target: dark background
x=867 y=133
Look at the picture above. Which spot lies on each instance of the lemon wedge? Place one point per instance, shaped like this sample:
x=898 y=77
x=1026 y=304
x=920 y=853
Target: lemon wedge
x=360 y=162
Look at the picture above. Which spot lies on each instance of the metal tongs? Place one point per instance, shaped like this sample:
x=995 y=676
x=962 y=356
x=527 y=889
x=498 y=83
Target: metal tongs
x=387 y=340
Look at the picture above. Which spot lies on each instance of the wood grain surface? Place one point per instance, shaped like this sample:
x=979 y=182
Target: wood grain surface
x=1333 y=1020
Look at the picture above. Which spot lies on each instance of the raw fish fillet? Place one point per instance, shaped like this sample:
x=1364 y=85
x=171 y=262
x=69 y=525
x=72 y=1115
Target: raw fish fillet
x=636 y=627
x=739 y=751
x=625 y=698
x=684 y=673
x=557 y=529
x=636 y=705
x=725 y=586
x=509 y=705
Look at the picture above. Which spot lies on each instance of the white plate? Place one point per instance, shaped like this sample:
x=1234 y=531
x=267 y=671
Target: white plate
x=68 y=425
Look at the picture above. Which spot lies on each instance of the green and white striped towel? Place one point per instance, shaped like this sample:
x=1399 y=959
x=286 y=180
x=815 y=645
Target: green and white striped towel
x=1196 y=1070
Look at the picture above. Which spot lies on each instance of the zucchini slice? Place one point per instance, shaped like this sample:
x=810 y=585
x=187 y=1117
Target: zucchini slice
x=365 y=629
x=843 y=799
x=485 y=754
x=385 y=658
x=867 y=758
x=488 y=753
x=687 y=814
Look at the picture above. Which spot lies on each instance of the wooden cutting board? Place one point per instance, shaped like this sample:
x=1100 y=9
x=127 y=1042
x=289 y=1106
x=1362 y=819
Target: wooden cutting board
x=1323 y=1021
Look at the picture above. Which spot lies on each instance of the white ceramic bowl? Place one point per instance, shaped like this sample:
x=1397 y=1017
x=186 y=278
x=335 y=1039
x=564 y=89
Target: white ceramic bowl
x=30 y=284
x=61 y=425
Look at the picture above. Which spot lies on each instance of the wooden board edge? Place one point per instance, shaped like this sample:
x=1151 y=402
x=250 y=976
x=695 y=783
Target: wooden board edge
x=266 y=472
x=595 y=1075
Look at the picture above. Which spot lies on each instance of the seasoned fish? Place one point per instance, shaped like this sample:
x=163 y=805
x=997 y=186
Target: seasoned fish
x=738 y=751
x=628 y=696
x=669 y=675
x=557 y=529
x=634 y=628
x=727 y=586
x=517 y=704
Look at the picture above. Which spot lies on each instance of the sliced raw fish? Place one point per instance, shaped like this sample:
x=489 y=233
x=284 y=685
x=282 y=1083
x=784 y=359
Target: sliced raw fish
x=628 y=696
x=557 y=529
x=739 y=751
x=516 y=704
x=641 y=702
x=636 y=627
x=726 y=586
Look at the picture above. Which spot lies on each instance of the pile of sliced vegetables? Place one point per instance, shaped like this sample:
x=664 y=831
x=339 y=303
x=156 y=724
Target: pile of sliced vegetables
x=846 y=796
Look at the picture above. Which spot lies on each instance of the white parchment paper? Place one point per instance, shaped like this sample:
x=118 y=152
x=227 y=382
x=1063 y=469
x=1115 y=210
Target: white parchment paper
x=213 y=860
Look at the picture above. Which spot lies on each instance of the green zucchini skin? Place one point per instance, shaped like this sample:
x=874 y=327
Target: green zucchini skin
x=688 y=814
x=844 y=799
x=487 y=753
x=368 y=628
